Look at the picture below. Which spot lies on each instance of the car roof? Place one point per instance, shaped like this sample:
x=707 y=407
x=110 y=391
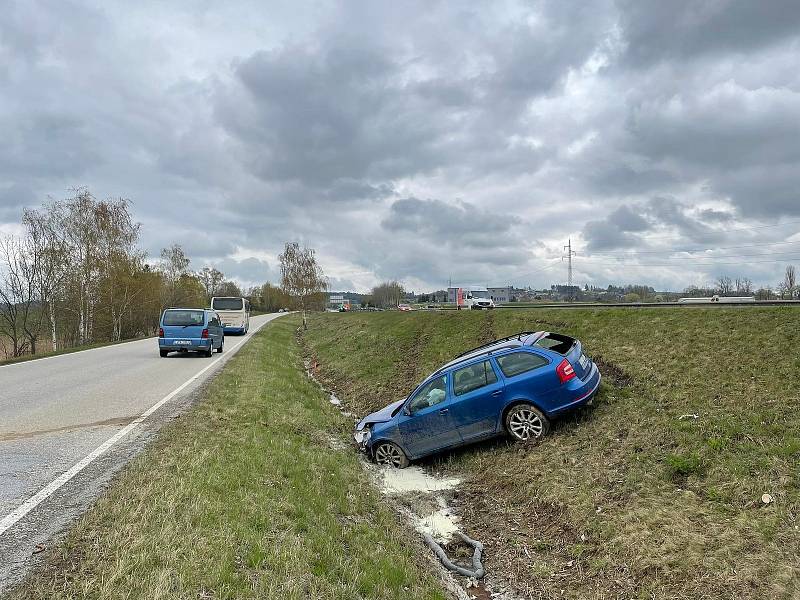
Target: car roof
x=523 y=338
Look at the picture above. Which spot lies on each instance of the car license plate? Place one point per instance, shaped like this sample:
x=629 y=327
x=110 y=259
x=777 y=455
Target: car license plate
x=182 y=343
x=584 y=360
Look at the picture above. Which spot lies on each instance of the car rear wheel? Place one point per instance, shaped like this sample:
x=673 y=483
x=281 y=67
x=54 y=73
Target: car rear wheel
x=208 y=353
x=391 y=454
x=525 y=422
x=221 y=345
x=163 y=353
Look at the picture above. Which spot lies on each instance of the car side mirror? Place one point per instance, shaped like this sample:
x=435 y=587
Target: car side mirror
x=407 y=410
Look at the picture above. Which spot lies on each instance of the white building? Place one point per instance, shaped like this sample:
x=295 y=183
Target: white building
x=501 y=294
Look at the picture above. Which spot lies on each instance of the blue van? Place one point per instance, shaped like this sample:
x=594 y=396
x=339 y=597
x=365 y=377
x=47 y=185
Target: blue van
x=190 y=329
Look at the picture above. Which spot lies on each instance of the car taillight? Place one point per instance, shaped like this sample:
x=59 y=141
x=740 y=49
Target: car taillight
x=204 y=335
x=565 y=371
x=160 y=332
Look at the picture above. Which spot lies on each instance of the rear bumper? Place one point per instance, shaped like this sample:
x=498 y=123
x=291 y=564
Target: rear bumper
x=584 y=393
x=193 y=343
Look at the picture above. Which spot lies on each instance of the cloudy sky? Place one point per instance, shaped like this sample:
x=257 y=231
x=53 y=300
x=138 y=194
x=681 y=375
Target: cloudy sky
x=420 y=141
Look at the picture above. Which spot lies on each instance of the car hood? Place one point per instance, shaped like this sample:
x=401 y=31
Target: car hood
x=380 y=416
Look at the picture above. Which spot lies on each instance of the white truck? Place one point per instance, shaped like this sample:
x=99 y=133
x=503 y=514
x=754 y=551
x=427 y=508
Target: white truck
x=474 y=298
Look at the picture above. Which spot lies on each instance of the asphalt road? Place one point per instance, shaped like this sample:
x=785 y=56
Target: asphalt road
x=56 y=412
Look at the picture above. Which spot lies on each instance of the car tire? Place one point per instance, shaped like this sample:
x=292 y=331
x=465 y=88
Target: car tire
x=163 y=353
x=209 y=353
x=524 y=422
x=221 y=345
x=388 y=453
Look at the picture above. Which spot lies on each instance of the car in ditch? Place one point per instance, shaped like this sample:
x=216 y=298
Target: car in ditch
x=515 y=385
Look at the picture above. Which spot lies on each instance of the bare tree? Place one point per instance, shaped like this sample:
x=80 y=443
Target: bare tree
x=45 y=234
x=301 y=276
x=211 y=278
x=388 y=294
x=789 y=281
x=724 y=285
x=18 y=286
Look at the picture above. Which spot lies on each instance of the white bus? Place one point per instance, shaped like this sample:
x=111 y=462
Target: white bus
x=234 y=312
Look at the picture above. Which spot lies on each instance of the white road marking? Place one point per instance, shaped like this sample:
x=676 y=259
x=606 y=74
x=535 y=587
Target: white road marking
x=23 y=509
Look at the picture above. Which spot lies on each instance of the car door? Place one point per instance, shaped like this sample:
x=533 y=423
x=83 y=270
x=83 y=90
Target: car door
x=478 y=398
x=428 y=425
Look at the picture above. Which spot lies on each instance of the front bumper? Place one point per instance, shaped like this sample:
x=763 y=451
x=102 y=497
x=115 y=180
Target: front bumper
x=362 y=438
x=231 y=329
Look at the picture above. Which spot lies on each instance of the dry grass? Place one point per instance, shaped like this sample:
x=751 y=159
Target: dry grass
x=243 y=497
x=626 y=499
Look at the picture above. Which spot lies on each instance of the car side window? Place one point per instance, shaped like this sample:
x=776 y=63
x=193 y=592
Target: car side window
x=431 y=394
x=473 y=377
x=520 y=362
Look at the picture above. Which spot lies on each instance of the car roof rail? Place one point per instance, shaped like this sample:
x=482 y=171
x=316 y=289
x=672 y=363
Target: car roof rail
x=516 y=336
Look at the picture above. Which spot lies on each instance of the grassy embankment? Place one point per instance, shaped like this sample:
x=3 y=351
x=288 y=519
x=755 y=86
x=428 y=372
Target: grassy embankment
x=242 y=497
x=634 y=497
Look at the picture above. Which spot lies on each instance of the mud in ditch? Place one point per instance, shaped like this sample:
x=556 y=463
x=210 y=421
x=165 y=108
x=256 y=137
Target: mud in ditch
x=612 y=372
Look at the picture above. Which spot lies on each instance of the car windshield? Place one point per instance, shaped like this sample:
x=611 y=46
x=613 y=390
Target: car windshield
x=183 y=318
x=227 y=304
x=480 y=294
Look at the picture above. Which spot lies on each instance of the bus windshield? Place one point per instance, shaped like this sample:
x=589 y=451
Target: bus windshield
x=227 y=304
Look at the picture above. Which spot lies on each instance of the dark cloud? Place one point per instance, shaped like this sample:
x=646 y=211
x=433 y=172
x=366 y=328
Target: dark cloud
x=684 y=29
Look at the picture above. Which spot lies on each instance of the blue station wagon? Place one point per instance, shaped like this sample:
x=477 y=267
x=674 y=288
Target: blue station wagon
x=515 y=385
x=190 y=329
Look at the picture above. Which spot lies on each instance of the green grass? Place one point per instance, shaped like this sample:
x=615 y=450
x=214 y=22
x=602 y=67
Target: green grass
x=632 y=497
x=38 y=355
x=243 y=497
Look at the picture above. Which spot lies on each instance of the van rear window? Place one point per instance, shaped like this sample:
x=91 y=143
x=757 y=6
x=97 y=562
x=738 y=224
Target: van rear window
x=556 y=342
x=183 y=318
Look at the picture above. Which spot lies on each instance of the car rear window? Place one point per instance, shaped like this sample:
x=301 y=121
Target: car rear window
x=183 y=318
x=556 y=342
x=473 y=377
x=227 y=304
x=520 y=362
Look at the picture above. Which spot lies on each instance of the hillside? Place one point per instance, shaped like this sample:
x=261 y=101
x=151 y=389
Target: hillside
x=634 y=497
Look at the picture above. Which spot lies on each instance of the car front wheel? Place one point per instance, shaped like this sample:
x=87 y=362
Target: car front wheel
x=525 y=422
x=387 y=453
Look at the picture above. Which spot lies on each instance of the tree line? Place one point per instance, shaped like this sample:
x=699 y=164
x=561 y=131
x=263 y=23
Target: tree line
x=75 y=275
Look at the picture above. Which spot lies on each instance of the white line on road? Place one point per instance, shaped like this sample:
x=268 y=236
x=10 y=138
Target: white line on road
x=23 y=509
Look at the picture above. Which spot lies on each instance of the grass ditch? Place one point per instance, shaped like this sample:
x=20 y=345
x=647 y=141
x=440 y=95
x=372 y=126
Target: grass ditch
x=242 y=497
x=634 y=497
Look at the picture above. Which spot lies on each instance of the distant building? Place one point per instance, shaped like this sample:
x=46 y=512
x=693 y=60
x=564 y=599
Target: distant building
x=501 y=294
x=338 y=301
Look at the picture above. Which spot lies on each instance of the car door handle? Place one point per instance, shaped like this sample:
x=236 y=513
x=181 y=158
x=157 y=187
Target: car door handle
x=444 y=411
x=497 y=393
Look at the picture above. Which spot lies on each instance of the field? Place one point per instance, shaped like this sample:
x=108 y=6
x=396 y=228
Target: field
x=656 y=491
x=243 y=497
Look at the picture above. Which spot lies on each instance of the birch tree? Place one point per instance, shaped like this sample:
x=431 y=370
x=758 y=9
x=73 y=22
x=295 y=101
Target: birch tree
x=301 y=276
